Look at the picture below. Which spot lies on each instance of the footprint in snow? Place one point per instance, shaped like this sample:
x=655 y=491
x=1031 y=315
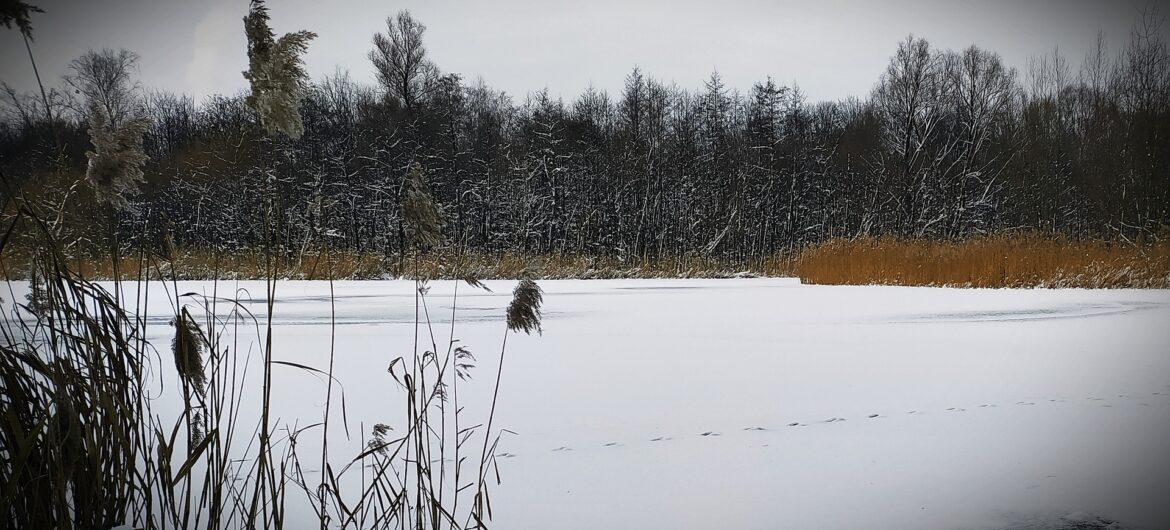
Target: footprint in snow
x=986 y=405
x=710 y=433
x=1025 y=403
x=505 y=455
x=754 y=429
x=661 y=439
x=611 y=444
x=871 y=416
x=957 y=409
x=833 y=420
x=795 y=424
x=562 y=448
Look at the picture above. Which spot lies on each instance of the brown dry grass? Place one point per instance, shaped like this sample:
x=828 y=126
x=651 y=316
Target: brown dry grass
x=998 y=261
x=248 y=264
x=1028 y=260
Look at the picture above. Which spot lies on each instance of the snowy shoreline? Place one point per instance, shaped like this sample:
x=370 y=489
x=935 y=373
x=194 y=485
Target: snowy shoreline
x=758 y=403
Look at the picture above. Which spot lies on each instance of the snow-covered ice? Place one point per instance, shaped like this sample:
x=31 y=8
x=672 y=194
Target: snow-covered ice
x=763 y=403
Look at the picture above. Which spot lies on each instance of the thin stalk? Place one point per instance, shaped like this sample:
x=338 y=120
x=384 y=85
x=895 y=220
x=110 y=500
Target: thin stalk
x=328 y=389
x=492 y=414
x=455 y=405
x=44 y=98
x=264 y=449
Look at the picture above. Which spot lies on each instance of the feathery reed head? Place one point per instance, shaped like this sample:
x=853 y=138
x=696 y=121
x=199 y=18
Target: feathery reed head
x=379 y=441
x=18 y=12
x=187 y=347
x=198 y=432
x=420 y=215
x=464 y=362
x=117 y=157
x=38 y=300
x=476 y=283
x=524 y=311
x=276 y=73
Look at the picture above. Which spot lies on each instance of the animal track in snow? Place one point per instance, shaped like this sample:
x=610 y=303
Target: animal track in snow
x=915 y=412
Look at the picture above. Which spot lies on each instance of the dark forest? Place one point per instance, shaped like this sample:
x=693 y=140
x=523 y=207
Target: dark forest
x=948 y=144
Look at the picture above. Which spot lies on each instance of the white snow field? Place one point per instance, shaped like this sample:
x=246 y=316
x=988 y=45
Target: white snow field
x=764 y=403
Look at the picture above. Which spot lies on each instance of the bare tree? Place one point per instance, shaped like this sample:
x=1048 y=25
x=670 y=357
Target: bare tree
x=16 y=105
x=400 y=59
x=633 y=104
x=907 y=100
x=983 y=95
x=1048 y=76
x=1095 y=72
x=1145 y=64
x=104 y=79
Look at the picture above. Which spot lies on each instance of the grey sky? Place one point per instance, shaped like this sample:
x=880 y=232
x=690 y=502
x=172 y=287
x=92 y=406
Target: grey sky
x=831 y=49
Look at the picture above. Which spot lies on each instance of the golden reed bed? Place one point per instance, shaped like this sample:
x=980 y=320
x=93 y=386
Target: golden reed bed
x=995 y=261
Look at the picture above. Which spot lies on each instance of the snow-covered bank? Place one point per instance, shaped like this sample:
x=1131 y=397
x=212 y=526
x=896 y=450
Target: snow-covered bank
x=763 y=403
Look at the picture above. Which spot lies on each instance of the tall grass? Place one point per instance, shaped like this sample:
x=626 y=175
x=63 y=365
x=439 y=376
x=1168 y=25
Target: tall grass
x=442 y=263
x=85 y=445
x=1027 y=260
x=71 y=394
x=87 y=442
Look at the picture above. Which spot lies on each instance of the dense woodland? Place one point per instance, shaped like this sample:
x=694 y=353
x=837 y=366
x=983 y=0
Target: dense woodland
x=949 y=144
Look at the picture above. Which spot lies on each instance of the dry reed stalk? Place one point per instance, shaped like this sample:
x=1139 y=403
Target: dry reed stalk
x=1020 y=260
x=195 y=264
x=1028 y=260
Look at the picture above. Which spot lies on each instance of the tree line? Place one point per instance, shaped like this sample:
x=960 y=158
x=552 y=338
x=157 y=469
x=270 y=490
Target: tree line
x=948 y=144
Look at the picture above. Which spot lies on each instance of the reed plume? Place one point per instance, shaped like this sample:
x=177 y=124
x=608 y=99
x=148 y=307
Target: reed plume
x=420 y=215
x=524 y=311
x=37 y=301
x=276 y=73
x=18 y=13
x=117 y=157
x=187 y=347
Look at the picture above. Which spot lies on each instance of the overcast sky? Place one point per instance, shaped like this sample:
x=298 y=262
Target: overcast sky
x=830 y=49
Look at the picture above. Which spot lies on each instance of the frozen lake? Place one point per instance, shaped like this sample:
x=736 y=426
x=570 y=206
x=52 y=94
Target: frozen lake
x=763 y=403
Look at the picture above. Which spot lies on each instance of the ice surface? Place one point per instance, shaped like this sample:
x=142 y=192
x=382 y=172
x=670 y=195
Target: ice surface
x=763 y=403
